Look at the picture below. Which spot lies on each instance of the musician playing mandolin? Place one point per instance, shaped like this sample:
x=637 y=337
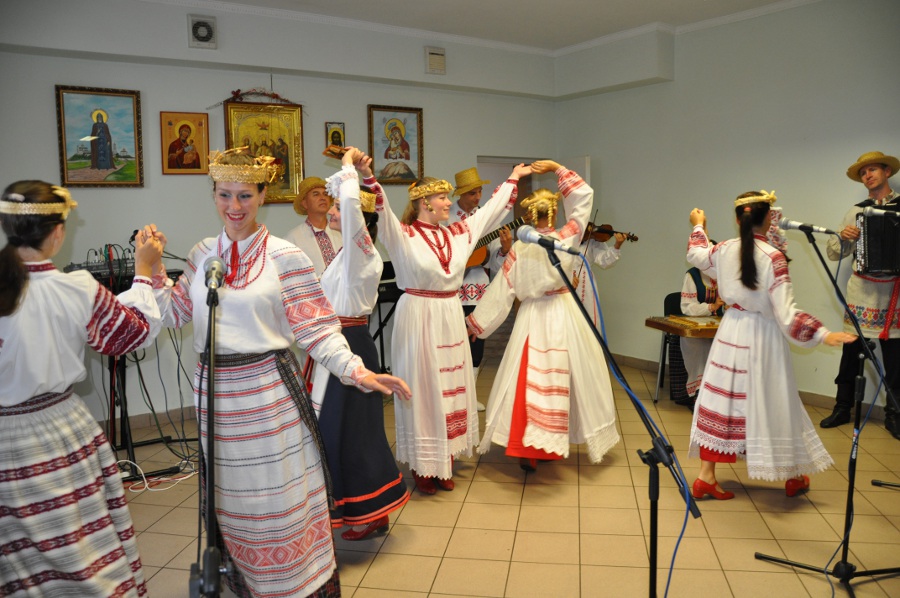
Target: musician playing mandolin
x=469 y=186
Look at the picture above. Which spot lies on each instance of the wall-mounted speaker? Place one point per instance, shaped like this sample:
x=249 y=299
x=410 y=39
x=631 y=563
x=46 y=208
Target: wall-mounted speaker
x=202 y=32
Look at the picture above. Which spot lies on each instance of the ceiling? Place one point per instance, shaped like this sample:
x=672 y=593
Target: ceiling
x=544 y=25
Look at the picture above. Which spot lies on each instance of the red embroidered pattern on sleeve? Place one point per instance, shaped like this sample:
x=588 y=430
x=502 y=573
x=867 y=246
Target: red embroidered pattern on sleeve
x=115 y=329
x=569 y=180
x=375 y=186
x=460 y=228
x=571 y=229
x=308 y=312
x=473 y=326
x=804 y=327
x=698 y=239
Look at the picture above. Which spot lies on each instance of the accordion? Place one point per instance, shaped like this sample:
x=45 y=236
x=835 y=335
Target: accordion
x=878 y=246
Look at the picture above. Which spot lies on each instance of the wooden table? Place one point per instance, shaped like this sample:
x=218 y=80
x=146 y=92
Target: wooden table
x=703 y=327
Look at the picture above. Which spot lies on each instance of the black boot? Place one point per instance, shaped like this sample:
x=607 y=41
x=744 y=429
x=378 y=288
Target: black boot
x=892 y=421
x=842 y=409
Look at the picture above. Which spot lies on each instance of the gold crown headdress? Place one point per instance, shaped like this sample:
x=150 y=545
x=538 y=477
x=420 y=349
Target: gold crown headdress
x=366 y=201
x=420 y=191
x=766 y=196
x=263 y=171
x=15 y=204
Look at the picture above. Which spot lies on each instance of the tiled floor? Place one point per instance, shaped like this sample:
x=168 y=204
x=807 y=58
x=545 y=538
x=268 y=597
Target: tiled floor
x=577 y=529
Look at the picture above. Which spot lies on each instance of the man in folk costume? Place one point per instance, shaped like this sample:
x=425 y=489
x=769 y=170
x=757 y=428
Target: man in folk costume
x=469 y=186
x=872 y=297
x=313 y=236
x=553 y=366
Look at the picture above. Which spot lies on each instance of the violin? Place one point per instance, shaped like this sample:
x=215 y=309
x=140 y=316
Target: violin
x=603 y=232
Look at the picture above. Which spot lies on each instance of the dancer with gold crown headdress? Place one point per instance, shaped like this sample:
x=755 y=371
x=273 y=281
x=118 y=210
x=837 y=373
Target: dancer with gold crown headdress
x=748 y=404
x=429 y=347
x=66 y=529
x=552 y=366
x=272 y=486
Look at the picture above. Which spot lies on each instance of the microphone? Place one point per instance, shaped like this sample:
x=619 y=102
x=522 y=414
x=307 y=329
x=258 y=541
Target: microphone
x=214 y=267
x=870 y=211
x=527 y=234
x=786 y=224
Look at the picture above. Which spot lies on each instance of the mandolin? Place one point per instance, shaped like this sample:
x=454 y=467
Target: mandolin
x=479 y=254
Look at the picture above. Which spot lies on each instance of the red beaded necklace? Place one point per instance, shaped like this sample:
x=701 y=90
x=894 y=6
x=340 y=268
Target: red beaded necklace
x=241 y=265
x=443 y=251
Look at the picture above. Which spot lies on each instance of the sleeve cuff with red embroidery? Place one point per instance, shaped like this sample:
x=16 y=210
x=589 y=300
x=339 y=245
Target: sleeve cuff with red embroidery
x=356 y=377
x=472 y=326
x=138 y=279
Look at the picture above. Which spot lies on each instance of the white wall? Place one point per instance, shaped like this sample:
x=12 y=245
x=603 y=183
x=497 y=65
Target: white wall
x=785 y=101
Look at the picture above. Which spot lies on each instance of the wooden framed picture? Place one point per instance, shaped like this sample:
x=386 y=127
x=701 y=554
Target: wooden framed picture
x=395 y=144
x=99 y=137
x=184 y=142
x=269 y=130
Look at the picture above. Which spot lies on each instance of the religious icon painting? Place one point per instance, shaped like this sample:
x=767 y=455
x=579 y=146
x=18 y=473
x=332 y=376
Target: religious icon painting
x=99 y=137
x=395 y=144
x=184 y=142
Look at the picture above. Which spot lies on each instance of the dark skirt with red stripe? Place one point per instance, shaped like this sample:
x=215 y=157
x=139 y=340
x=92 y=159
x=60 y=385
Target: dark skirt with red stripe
x=65 y=529
x=367 y=484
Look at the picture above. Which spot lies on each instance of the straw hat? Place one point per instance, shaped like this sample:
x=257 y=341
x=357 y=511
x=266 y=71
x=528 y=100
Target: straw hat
x=467 y=180
x=872 y=158
x=306 y=185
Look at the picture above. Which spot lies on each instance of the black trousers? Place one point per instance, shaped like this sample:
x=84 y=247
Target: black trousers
x=890 y=355
x=476 y=346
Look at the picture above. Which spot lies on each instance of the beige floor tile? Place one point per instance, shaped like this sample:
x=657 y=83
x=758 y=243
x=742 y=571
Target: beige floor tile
x=169 y=497
x=423 y=511
x=815 y=554
x=614 y=581
x=401 y=572
x=499 y=472
x=604 y=476
x=495 y=493
x=872 y=555
x=614 y=497
x=867 y=528
x=693 y=553
x=752 y=584
x=143 y=516
x=417 y=540
x=886 y=503
x=736 y=524
x=550 y=495
x=625 y=522
x=532 y=580
x=158 y=549
x=491 y=545
x=740 y=554
x=538 y=547
x=488 y=516
x=613 y=550
x=554 y=472
x=188 y=556
x=818 y=584
x=534 y=518
x=180 y=521
x=373 y=593
x=353 y=566
x=172 y=583
x=835 y=501
x=800 y=526
x=670 y=523
x=467 y=577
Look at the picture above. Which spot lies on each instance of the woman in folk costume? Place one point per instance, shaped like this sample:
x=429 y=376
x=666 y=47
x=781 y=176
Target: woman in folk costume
x=271 y=503
x=552 y=387
x=366 y=481
x=65 y=529
x=429 y=348
x=748 y=402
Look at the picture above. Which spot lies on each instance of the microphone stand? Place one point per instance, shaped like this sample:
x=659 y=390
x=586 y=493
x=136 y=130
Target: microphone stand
x=661 y=451
x=843 y=569
x=206 y=576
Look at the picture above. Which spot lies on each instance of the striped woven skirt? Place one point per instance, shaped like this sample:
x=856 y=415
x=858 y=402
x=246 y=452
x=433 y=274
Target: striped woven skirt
x=271 y=499
x=65 y=529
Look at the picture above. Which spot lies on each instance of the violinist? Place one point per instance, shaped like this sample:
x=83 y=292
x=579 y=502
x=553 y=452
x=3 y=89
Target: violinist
x=597 y=251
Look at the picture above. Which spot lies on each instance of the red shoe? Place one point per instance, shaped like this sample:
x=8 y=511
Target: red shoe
x=379 y=526
x=793 y=485
x=424 y=485
x=702 y=489
x=448 y=484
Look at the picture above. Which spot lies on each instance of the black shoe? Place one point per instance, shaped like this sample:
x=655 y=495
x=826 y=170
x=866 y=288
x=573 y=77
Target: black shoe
x=838 y=417
x=892 y=425
x=687 y=401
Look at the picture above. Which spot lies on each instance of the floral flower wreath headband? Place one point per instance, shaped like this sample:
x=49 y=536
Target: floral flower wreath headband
x=264 y=170
x=15 y=203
